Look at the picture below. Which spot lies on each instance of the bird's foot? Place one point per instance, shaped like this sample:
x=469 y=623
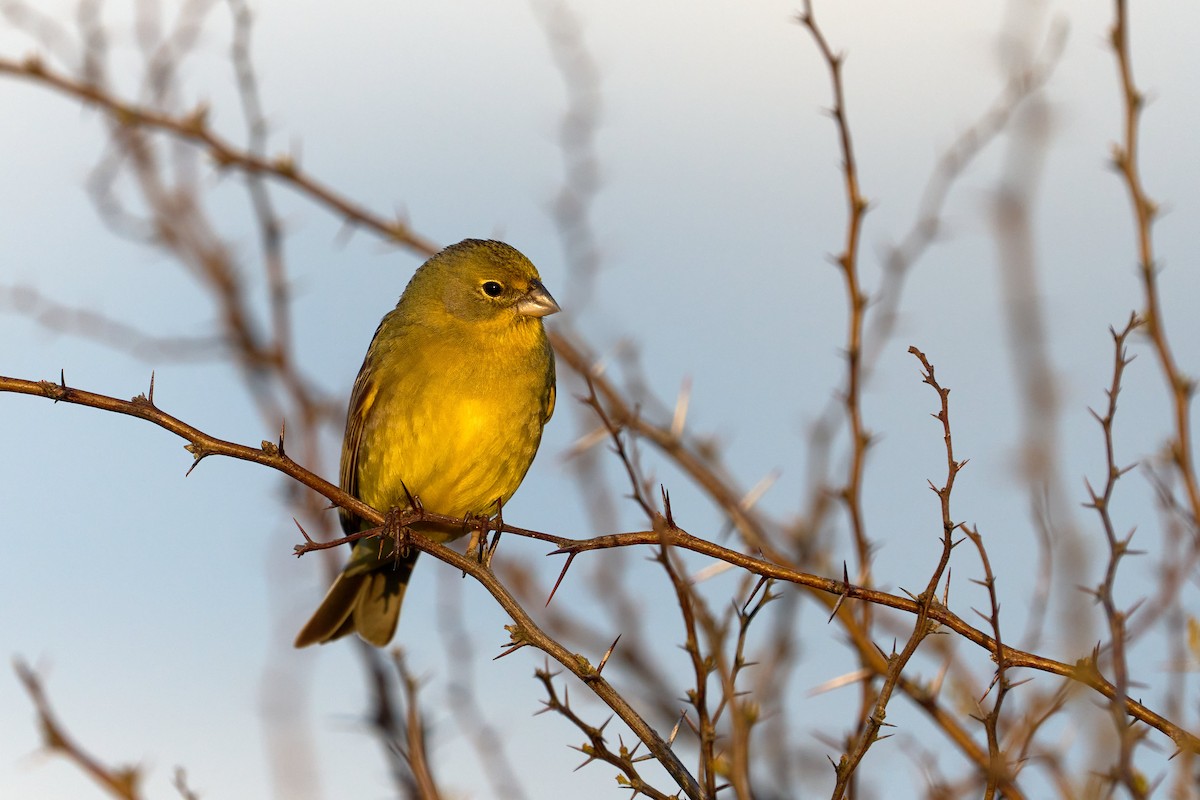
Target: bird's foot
x=395 y=533
x=480 y=526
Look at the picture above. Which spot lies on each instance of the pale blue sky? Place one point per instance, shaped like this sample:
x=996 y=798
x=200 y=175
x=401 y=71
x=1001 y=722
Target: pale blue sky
x=161 y=609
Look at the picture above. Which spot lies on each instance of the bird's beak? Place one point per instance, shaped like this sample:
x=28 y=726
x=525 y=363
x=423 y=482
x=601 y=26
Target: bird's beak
x=537 y=302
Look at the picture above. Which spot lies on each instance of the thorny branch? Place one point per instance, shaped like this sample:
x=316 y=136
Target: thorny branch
x=596 y=748
x=999 y=776
x=1125 y=156
x=523 y=632
x=847 y=261
x=1118 y=546
x=699 y=464
x=201 y=445
x=897 y=662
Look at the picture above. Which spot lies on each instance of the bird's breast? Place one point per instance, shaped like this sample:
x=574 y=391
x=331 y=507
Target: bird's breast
x=457 y=440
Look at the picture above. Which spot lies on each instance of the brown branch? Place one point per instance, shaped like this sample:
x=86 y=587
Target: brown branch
x=596 y=748
x=695 y=614
x=120 y=782
x=524 y=631
x=703 y=469
x=1082 y=671
x=743 y=714
x=850 y=493
x=1118 y=546
x=847 y=261
x=1145 y=210
x=200 y=444
x=999 y=775
x=897 y=662
x=271 y=455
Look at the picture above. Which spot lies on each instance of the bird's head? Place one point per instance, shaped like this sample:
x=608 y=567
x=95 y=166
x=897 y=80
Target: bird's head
x=480 y=281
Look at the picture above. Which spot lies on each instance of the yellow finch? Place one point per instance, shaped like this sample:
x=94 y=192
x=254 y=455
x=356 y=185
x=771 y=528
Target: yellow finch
x=448 y=408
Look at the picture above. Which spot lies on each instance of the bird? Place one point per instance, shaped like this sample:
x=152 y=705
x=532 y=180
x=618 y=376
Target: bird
x=447 y=412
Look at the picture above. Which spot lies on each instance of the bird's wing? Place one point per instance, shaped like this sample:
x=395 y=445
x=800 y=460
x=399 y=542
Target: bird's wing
x=361 y=400
x=549 y=409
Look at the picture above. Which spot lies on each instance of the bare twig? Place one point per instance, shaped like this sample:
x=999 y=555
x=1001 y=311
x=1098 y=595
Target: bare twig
x=897 y=662
x=1118 y=546
x=1145 y=211
x=596 y=748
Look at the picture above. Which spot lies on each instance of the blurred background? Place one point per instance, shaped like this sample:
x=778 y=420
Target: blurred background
x=673 y=172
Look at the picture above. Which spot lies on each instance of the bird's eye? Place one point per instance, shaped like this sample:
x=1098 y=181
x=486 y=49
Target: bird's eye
x=492 y=289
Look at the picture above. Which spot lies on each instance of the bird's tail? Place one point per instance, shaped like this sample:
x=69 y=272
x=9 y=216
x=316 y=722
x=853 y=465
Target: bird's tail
x=362 y=599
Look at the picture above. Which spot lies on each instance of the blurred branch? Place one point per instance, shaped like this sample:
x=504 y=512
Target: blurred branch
x=462 y=693
x=269 y=227
x=181 y=785
x=697 y=464
x=951 y=165
x=399 y=727
x=120 y=782
x=86 y=323
x=194 y=128
x=1062 y=551
x=577 y=145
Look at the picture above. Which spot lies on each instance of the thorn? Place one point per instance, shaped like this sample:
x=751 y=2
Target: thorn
x=510 y=650
x=303 y=532
x=842 y=597
x=414 y=502
x=301 y=549
x=561 y=575
x=675 y=730
x=603 y=661
x=198 y=455
x=666 y=496
x=150 y=397
x=282 y=432
x=762 y=581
